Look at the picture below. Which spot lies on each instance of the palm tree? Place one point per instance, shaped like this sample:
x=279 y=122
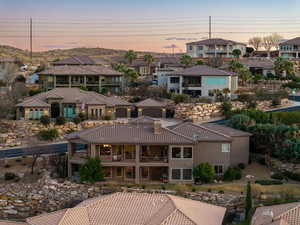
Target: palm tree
x=245 y=75
x=282 y=65
x=148 y=58
x=235 y=66
x=130 y=56
x=237 y=53
x=186 y=60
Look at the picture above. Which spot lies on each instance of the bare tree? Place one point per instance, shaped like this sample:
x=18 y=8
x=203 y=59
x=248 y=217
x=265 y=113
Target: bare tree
x=34 y=147
x=268 y=44
x=276 y=38
x=8 y=73
x=256 y=42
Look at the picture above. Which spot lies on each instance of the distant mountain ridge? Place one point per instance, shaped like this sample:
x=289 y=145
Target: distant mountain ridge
x=50 y=55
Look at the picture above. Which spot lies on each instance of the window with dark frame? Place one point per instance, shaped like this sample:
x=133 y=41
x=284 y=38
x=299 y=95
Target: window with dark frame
x=187 y=174
x=187 y=152
x=218 y=169
x=176 y=174
x=176 y=152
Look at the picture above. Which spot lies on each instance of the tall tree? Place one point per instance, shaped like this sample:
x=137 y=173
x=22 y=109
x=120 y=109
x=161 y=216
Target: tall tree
x=149 y=59
x=8 y=74
x=244 y=75
x=248 y=201
x=130 y=56
x=186 y=60
x=235 y=66
x=256 y=42
x=276 y=38
x=268 y=44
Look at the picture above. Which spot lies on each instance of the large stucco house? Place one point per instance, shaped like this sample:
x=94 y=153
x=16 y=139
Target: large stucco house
x=290 y=49
x=215 y=47
x=145 y=151
x=132 y=209
x=69 y=102
x=81 y=72
x=201 y=80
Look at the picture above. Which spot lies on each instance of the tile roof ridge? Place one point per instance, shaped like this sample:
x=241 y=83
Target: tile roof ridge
x=61 y=220
x=107 y=197
x=211 y=130
x=44 y=214
x=174 y=132
x=286 y=212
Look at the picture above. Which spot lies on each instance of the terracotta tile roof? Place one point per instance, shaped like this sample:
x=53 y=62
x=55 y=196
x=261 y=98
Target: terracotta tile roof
x=284 y=214
x=215 y=41
x=149 y=102
x=72 y=95
x=80 y=70
x=132 y=133
x=76 y=60
x=135 y=209
x=199 y=132
x=226 y=130
x=259 y=63
x=294 y=41
x=202 y=70
x=141 y=62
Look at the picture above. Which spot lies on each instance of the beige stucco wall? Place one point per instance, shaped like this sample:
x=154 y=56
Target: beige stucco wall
x=27 y=110
x=239 y=151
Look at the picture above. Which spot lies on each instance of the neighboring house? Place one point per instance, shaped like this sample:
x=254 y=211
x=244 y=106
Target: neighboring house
x=133 y=209
x=201 y=81
x=145 y=151
x=152 y=108
x=284 y=214
x=215 y=47
x=69 y=102
x=81 y=72
x=290 y=49
x=265 y=54
x=259 y=66
x=143 y=68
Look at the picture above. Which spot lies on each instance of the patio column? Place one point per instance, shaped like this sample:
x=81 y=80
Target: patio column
x=54 y=81
x=70 y=81
x=100 y=83
x=137 y=164
x=180 y=84
x=84 y=81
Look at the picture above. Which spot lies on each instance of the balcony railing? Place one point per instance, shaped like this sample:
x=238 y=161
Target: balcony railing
x=114 y=83
x=163 y=159
x=191 y=85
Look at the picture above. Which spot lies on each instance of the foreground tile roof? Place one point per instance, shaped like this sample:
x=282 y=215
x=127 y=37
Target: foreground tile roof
x=80 y=70
x=135 y=209
x=202 y=70
x=284 y=214
x=76 y=60
x=5 y=222
x=216 y=41
x=72 y=95
x=226 y=130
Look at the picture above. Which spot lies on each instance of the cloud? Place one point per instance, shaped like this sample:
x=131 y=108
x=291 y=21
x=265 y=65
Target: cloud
x=171 y=46
x=180 y=39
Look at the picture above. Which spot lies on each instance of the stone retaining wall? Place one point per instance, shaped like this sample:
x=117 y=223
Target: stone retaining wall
x=205 y=111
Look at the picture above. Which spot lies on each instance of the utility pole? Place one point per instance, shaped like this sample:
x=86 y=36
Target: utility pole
x=209 y=25
x=31 y=40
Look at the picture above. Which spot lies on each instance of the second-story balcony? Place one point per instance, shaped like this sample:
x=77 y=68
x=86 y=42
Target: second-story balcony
x=191 y=85
x=111 y=83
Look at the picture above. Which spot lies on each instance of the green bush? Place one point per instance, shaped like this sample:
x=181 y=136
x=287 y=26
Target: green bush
x=91 y=171
x=204 y=172
x=242 y=166
x=226 y=108
x=10 y=176
x=179 y=98
x=291 y=175
x=77 y=120
x=45 y=120
x=82 y=116
x=232 y=174
x=107 y=117
x=269 y=182
x=277 y=176
x=60 y=120
x=48 y=135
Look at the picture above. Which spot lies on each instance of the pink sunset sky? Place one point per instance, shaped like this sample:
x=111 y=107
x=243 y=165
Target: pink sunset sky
x=161 y=26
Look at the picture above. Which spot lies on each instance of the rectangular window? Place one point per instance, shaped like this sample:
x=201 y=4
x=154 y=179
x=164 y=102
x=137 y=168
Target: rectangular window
x=187 y=152
x=219 y=169
x=174 y=80
x=176 y=152
x=200 y=48
x=190 y=47
x=176 y=174
x=187 y=174
x=119 y=171
x=225 y=147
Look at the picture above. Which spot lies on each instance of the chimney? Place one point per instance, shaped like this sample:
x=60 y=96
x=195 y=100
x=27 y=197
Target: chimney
x=157 y=127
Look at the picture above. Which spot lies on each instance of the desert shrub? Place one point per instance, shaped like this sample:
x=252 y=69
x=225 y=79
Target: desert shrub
x=292 y=175
x=204 y=172
x=10 y=176
x=45 y=120
x=277 y=176
x=48 y=135
x=91 y=171
x=179 y=98
x=107 y=117
x=242 y=166
x=292 y=85
x=77 y=120
x=180 y=189
x=60 y=120
x=82 y=116
x=232 y=174
x=226 y=108
x=269 y=182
